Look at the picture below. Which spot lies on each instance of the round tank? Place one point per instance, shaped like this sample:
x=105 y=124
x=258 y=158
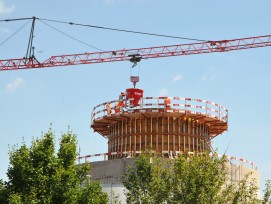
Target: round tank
x=167 y=125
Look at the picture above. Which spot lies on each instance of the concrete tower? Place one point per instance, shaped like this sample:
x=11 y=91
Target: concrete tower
x=167 y=125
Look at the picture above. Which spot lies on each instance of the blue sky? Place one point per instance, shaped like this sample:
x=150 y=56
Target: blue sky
x=32 y=99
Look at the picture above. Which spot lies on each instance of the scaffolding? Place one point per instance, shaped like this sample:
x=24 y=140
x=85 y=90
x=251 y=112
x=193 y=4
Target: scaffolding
x=187 y=126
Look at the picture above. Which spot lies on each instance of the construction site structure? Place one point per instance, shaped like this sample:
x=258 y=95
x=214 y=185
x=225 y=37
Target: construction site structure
x=134 y=124
x=167 y=125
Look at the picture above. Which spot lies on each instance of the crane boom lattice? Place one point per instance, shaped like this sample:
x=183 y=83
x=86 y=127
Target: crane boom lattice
x=143 y=53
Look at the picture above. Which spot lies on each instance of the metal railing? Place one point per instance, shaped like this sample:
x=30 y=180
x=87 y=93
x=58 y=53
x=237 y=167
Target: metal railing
x=157 y=104
x=171 y=155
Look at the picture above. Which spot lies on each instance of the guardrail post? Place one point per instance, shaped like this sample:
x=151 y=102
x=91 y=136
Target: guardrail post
x=219 y=112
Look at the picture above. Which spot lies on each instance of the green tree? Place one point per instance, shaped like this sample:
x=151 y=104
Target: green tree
x=3 y=192
x=267 y=193
x=149 y=181
x=198 y=178
x=187 y=179
x=37 y=174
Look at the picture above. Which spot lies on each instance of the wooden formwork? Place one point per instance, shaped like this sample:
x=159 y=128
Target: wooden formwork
x=160 y=131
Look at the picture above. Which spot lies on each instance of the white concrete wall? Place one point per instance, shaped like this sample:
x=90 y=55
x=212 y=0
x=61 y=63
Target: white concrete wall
x=115 y=191
x=110 y=174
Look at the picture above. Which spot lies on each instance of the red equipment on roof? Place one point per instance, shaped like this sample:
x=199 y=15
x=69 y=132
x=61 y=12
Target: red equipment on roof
x=134 y=95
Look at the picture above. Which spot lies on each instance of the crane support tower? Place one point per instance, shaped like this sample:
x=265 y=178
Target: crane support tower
x=167 y=125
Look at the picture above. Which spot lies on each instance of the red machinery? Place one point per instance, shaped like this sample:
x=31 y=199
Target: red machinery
x=134 y=95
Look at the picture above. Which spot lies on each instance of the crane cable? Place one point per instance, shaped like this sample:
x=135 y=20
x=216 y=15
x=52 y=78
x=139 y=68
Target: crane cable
x=30 y=49
x=108 y=28
x=13 y=34
x=70 y=36
x=17 y=19
x=123 y=30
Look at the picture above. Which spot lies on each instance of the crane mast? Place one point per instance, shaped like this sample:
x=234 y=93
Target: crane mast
x=142 y=53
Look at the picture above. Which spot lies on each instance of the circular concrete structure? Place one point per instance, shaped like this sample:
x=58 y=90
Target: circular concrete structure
x=184 y=125
x=110 y=173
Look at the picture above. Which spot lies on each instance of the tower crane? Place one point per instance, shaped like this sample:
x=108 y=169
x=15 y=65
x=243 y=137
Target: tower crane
x=137 y=54
x=217 y=121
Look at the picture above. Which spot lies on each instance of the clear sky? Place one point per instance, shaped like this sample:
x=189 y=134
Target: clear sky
x=32 y=99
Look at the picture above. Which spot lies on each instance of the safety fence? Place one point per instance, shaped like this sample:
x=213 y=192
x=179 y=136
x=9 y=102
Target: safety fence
x=157 y=104
x=170 y=155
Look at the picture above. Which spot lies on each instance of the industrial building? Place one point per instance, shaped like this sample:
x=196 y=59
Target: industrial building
x=169 y=126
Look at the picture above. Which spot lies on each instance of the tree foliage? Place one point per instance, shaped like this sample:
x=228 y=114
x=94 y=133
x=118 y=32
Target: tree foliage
x=267 y=193
x=187 y=179
x=149 y=181
x=199 y=178
x=39 y=174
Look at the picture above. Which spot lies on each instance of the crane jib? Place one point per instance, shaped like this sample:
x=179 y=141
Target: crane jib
x=140 y=53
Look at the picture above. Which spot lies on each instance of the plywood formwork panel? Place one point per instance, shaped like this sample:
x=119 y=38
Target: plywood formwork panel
x=187 y=126
x=162 y=133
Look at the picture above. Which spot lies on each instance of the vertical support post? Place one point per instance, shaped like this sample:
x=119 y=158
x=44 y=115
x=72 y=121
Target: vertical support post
x=173 y=133
x=202 y=136
x=93 y=115
x=115 y=139
x=179 y=131
x=197 y=133
x=146 y=128
x=135 y=136
x=162 y=135
x=188 y=133
x=130 y=134
x=109 y=140
x=201 y=139
x=204 y=139
x=219 y=113
x=207 y=139
x=151 y=132
x=121 y=147
x=193 y=134
x=168 y=134
x=126 y=135
x=140 y=132
x=184 y=135
x=157 y=131
x=118 y=138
